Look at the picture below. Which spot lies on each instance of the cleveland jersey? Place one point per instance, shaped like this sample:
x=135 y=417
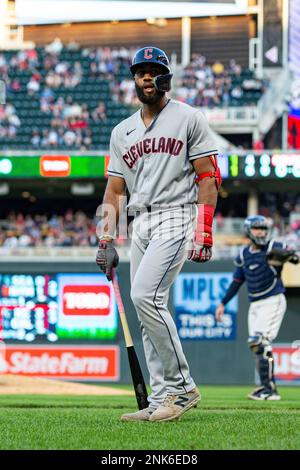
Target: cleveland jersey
x=156 y=161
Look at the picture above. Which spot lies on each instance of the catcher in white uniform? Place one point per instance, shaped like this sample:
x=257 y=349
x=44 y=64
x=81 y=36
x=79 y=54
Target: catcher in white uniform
x=259 y=265
x=163 y=154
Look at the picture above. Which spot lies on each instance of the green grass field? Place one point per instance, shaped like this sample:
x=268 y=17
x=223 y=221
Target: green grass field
x=224 y=419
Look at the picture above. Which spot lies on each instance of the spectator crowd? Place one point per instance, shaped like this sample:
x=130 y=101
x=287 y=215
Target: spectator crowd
x=9 y=121
x=69 y=119
x=76 y=228
x=207 y=85
x=70 y=229
x=47 y=73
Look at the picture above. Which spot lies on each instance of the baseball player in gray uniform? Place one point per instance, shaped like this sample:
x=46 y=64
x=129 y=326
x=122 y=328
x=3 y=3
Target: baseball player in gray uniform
x=166 y=156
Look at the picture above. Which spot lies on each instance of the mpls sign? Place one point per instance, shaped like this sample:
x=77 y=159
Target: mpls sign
x=196 y=296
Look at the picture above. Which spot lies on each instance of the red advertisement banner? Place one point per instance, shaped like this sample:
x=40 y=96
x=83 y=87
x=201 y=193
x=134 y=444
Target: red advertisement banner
x=95 y=363
x=55 y=165
x=287 y=363
x=86 y=300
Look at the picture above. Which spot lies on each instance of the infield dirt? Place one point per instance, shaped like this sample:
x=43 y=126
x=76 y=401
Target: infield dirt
x=19 y=385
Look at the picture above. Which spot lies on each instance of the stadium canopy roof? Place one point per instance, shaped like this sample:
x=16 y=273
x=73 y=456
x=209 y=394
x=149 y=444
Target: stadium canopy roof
x=31 y=12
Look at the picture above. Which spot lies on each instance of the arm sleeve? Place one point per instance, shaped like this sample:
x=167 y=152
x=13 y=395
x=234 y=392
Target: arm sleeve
x=239 y=275
x=231 y=291
x=114 y=166
x=201 y=142
x=238 y=280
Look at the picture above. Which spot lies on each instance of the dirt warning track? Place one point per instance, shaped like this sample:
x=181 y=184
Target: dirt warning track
x=19 y=385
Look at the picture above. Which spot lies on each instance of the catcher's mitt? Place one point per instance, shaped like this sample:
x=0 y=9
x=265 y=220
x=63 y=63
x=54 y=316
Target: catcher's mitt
x=279 y=256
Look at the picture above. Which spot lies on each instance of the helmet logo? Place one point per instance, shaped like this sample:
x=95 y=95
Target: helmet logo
x=148 y=54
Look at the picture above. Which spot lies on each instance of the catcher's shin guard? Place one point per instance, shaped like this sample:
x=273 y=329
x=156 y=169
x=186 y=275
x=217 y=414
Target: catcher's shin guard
x=265 y=368
x=264 y=361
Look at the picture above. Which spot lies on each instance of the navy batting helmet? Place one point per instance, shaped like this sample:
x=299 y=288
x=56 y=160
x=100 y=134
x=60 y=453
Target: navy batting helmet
x=154 y=55
x=258 y=221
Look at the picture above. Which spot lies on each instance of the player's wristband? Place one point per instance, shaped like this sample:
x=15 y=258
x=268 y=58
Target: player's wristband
x=203 y=233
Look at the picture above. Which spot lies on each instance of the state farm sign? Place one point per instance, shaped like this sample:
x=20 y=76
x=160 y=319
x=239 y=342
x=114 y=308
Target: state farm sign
x=287 y=363
x=62 y=362
x=55 y=165
x=86 y=300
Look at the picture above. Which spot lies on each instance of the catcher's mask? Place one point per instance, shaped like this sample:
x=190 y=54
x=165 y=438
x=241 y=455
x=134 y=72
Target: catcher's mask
x=153 y=55
x=258 y=221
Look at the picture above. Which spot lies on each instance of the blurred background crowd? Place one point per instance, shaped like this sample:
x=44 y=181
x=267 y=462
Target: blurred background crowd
x=56 y=96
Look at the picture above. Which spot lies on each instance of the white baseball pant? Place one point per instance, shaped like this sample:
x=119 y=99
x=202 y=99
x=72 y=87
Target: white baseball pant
x=266 y=315
x=158 y=252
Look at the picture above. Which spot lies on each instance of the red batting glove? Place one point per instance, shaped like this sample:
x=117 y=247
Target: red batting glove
x=203 y=241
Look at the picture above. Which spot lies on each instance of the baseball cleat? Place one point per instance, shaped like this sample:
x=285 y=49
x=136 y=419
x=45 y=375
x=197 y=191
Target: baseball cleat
x=141 y=415
x=174 y=406
x=262 y=393
x=273 y=396
x=255 y=392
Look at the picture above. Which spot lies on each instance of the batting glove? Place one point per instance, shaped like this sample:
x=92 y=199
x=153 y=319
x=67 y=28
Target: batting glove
x=203 y=240
x=107 y=257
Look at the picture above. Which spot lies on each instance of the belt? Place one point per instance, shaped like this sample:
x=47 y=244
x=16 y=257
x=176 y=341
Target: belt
x=157 y=208
x=154 y=208
x=139 y=210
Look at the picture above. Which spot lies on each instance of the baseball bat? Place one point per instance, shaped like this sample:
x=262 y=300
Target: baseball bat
x=135 y=369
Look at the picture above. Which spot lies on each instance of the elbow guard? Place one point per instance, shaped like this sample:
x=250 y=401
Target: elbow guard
x=211 y=174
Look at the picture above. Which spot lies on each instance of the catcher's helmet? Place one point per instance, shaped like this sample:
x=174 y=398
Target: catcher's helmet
x=154 y=55
x=258 y=221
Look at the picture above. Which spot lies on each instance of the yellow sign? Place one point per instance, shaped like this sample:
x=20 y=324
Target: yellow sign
x=291 y=275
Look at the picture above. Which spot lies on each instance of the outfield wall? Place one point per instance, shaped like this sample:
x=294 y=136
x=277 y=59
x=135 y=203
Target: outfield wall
x=217 y=354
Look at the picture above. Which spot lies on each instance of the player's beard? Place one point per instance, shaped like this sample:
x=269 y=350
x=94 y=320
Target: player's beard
x=151 y=99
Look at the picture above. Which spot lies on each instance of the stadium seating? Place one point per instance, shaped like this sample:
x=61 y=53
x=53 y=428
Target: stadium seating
x=77 y=228
x=98 y=87
x=218 y=85
x=91 y=90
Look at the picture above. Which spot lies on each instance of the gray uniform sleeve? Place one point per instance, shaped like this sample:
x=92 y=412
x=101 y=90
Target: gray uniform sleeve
x=200 y=138
x=114 y=166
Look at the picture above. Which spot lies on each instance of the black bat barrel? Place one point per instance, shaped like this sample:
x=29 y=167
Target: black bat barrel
x=137 y=379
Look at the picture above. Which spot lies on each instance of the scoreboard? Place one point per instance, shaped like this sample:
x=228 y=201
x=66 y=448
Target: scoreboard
x=52 y=166
x=50 y=308
x=240 y=165
x=260 y=166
